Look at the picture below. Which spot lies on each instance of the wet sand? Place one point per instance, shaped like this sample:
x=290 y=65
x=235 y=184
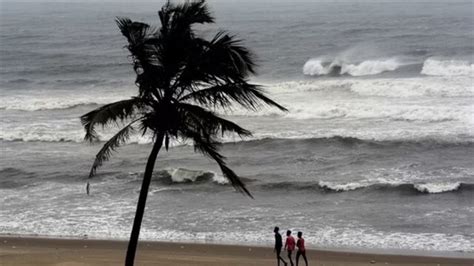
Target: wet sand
x=75 y=252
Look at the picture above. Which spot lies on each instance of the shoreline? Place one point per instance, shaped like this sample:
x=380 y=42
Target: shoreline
x=17 y=250
x=356 y=250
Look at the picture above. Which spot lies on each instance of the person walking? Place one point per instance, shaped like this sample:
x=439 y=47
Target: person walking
x=278 y=246
x=290 y=245
x=301 y=249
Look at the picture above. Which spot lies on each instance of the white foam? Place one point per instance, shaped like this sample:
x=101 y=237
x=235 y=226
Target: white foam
x=437 y=67
x=48 y=100
x=364 y=236
x=431 y=188
x=402 y=99
x=219 y=179
x=162 y=189
x=397 y=107
x=381 y=87
x=104 y=215
x=427 y=182
x=343 y=186
x=314 y=67
x=371 y=67
x=182 y=175
x=438 y=187
x=318 y=67
x=58 y=131
x=329 y=237
x=414 y=87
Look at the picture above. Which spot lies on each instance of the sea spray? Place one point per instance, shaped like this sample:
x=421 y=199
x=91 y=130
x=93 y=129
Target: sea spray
x=319 y=67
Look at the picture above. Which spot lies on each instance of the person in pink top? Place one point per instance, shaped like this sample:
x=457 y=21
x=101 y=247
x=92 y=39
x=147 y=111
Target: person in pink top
x=301 y=249
x=290 y=245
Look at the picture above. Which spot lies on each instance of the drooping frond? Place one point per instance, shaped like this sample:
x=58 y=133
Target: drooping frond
x=247 y=95
x=144 y=46
x=207 y=123
x=184 y=15
x=112 y=112
x=104 y=154
x=210 y=148
x=219 y=61
x=231 y=54
x=135 y=32
x=177 y=42
x=164 y=15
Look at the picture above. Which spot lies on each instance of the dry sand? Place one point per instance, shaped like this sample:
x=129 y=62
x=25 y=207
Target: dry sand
x=67 y=252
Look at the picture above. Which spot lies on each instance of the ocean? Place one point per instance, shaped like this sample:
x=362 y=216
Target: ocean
x=376 y=150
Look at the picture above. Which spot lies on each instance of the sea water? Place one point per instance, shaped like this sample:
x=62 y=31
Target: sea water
x=376 y=150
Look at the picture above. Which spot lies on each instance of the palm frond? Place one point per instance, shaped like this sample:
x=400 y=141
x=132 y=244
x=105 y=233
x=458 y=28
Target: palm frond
x=104 y=154
x=164 y=15
x=135 y=32
x=207 y=122
x=113 y=112
x=142 y=44
x=231 y=54
x=190 y=12
x=211 y=149
x=221 y=60
x=247 y=95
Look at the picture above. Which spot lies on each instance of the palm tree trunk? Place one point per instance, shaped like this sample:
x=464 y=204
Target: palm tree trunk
x=132 y=244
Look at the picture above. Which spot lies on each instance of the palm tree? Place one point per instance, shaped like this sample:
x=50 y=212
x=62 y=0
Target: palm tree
x=182 y=80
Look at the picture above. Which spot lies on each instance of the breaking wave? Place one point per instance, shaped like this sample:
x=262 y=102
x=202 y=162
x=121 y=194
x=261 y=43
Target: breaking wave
x=351 y=141
x=421 y=188
x=50 y=100
x=319 y=67
x=435 y=83
x=172 y=176
x=57 y=101
x=428 y=188
x=434 y=67
x=431 y=67
x=183 y=175
x=440 y=187
x=274 y=138
x=381 y=87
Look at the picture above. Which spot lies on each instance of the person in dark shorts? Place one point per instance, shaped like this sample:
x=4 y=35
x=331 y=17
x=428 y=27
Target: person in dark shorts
x=290 y=246
x=301 y=249
x=278 y=246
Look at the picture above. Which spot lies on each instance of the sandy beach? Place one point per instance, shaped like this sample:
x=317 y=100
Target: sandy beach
x=74 y=252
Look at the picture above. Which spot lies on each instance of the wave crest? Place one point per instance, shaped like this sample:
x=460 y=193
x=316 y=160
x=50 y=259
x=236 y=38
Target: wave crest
x=319 y=67
x=52 y=100
x=183 y=175
x=437 y=187
x=434 y=67
x=424 y=188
